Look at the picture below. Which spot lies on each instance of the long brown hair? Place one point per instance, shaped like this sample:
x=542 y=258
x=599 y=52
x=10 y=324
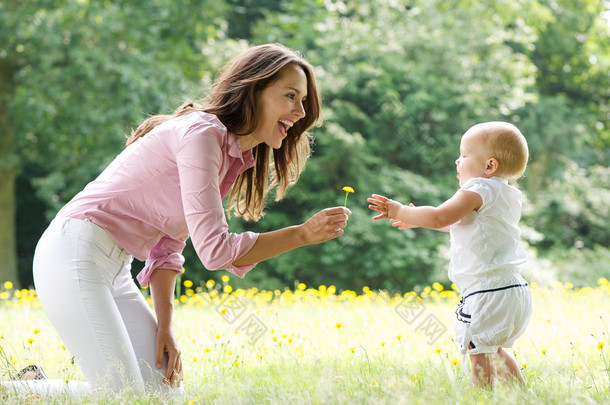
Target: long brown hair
x=233 y=100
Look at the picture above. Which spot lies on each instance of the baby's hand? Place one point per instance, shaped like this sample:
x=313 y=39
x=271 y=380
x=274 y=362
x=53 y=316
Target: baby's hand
x=402 y=225
x=379 y=203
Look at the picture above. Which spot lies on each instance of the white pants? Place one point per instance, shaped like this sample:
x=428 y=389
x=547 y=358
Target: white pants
x=84 y=284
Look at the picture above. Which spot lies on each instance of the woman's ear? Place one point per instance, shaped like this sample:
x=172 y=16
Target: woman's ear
x=492 y=166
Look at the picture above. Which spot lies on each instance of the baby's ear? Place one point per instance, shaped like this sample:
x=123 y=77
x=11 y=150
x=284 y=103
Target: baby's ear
x=493 y=166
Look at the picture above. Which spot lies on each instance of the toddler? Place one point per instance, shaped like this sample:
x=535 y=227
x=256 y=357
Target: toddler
x=482 y=218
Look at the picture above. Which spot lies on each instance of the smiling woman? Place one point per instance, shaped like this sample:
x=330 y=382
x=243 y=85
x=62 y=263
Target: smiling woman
x=166 y=186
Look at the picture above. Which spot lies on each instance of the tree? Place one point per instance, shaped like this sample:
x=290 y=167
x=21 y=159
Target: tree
x=75 y=76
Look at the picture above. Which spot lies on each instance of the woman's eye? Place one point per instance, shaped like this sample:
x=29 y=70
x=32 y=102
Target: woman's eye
x=291 y=96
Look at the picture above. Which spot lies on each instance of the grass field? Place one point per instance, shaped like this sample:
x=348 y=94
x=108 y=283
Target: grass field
x=318 y=345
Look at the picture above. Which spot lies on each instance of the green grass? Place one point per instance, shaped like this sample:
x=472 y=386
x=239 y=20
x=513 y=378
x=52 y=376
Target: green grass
x=320 y=347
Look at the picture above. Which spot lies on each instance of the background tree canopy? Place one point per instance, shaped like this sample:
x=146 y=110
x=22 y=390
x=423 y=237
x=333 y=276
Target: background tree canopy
x=401 y=81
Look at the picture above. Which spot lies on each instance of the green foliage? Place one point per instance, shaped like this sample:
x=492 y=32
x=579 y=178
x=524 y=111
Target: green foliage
x=401 y=81
x=574 y=210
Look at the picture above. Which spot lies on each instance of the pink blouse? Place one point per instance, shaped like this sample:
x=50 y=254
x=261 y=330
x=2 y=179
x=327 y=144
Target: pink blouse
x=166 y=186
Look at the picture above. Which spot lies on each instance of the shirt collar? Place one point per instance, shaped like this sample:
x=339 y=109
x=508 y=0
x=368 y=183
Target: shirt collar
x=246 y=157
x=500 y=179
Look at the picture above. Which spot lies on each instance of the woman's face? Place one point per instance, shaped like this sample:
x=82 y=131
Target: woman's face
x=279 y=106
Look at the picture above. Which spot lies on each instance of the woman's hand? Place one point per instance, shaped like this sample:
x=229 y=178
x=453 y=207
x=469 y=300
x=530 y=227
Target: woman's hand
x=162 y=287
x=167 y=343
x=325 y=225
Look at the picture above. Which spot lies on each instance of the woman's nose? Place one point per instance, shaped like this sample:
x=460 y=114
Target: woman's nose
x=300 y=111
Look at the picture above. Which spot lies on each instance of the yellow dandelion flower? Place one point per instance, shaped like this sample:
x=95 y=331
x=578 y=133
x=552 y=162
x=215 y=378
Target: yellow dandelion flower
x=63 y=347
x=4 y=296
x=210 y=283
x=67 y=380
x=374 y=384
x=600 y=345
x=260 y=356
x=8 y=285
x=225 y=279
x=195 y=358
x=236 y=363
x=533 y=373
x=347 y=190
x=223 y=311
x=382 y=344
x=228 y=289
x=301 y=286
x=183 y=270
x=30 y=341
x=438 y=351
x=352 y=349
x=455 y=362
x=524 y=365
x=338 y=325
x=399 y=337
x=217 y=336
x=36 y=331
x=207 y=350
x=188 y=283
x=543 y=351
x=214 y=364
x=230 y=352
x=183 y=299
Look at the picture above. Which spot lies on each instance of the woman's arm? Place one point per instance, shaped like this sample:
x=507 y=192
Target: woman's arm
x=323 y=226
x=446 y=214
x=162 y=287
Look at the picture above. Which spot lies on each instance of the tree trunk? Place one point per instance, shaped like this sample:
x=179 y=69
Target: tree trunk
x=8 y=244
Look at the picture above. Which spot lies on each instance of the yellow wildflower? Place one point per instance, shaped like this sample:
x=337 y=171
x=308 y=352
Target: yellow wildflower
x=338 y=325
x=225 y=279
x=188 y=283
x=347 y=190
x=8 y=285
x=600 y=345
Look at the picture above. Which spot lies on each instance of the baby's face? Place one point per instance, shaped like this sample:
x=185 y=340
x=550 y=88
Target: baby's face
x=473 y=158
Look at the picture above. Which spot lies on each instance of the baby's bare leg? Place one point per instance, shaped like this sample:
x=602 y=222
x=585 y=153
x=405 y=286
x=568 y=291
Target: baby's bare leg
x=482 y=370
x=508 y=369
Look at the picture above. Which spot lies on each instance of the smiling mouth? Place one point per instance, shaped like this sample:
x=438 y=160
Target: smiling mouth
x=285 y=125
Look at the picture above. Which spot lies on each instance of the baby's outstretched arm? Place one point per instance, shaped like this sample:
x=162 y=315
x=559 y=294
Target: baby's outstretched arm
x=446 y=214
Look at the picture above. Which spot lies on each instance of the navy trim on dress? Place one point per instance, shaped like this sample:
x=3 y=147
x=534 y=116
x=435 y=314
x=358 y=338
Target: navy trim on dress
x=495 y=289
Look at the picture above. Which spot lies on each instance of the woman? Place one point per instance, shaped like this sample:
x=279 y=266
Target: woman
x=168 y=184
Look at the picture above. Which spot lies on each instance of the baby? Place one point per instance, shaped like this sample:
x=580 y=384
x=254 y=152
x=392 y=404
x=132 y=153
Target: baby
x=482 y=218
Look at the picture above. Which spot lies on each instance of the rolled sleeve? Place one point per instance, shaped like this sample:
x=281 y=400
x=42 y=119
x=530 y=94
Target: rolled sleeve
x=200 y=159
x=167 y=254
